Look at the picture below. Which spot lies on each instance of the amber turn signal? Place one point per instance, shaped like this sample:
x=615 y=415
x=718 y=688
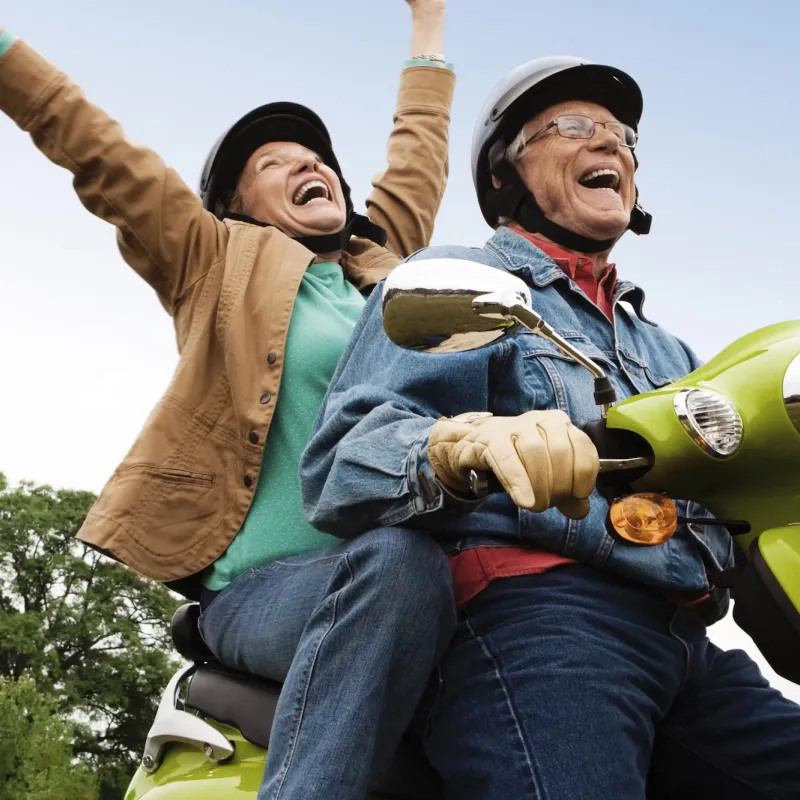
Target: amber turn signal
x=644 y=518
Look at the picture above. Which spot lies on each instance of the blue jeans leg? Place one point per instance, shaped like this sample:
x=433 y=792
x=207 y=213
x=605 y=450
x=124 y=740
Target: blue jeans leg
x=727 y=734
x=558 y=686
x=353 y=632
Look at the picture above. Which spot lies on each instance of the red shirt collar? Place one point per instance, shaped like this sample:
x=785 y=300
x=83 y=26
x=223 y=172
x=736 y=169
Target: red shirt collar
x=580 y=268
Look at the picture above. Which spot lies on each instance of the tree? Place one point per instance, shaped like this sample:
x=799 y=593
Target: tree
x=86 y=630
x=36 y=760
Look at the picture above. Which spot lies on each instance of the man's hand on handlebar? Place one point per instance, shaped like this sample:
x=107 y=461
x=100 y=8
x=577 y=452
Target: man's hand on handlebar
x=541 y=459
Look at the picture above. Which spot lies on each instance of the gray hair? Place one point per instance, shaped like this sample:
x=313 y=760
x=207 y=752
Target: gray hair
x=513 y=153
x=515 y=149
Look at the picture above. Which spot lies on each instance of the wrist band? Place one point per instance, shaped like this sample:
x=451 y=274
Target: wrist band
x=438 y=57
x=6 y=40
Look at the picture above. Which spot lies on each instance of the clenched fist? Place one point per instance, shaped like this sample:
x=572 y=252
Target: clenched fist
x=427 y=5
x=540 y=457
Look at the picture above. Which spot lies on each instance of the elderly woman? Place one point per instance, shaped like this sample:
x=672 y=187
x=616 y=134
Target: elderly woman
x=264 y=275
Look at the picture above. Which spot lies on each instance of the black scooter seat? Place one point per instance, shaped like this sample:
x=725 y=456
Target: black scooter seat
x=248 y=703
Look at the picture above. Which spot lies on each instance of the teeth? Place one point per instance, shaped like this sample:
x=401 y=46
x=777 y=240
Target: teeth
x=302 y=191
x=598 y=172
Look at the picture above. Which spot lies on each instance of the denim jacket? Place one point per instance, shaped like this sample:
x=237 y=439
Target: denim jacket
x=366 y=465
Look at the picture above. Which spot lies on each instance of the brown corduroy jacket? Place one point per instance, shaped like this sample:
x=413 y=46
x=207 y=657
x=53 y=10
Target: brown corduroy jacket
x=182 y=492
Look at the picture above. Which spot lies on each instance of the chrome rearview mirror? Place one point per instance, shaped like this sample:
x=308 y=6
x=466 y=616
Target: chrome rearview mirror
x=449 y=305
x=429 y=305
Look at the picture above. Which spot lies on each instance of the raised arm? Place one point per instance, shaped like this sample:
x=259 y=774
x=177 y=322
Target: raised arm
x=407 y=195
x=167 y=236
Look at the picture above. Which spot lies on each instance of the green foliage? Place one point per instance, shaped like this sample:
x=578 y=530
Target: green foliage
x=91 y=634
x=36 y=760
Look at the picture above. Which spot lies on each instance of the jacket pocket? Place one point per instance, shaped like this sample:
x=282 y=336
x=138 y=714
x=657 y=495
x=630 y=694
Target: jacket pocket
x=658 y=379
x=533 y=346
x=556 y=380
x=169 y=474
x=169 y=511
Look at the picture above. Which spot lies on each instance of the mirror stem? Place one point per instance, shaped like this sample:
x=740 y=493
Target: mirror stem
x=490 y=304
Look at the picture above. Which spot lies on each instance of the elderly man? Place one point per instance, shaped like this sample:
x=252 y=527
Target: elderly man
x=581 y=662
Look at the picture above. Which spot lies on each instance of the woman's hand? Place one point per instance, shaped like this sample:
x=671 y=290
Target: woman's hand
x=427 y=5
x=427 y=27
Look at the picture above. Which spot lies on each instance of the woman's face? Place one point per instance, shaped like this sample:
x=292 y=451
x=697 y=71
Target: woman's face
x=287 y=185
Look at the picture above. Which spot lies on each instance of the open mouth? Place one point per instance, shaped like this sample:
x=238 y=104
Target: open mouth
x=607 y=179
x=313 y=191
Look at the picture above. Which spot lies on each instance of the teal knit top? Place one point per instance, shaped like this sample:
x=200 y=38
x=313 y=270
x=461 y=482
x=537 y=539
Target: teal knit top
x=325 y=312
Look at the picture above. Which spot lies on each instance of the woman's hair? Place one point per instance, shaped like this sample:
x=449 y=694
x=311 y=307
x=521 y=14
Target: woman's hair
x=236 y=203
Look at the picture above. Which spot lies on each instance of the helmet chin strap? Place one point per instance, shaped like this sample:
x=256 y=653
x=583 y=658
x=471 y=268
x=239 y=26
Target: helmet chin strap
x=513 y=200
x=357 y=225
x=532 y=219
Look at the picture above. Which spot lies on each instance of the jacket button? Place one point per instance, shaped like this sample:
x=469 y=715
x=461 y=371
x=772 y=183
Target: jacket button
x=272 y=357
x=265 y=398
x=253 y=437
x=248 y=481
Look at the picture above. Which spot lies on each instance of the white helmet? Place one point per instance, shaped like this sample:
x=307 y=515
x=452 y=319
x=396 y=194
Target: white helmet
x=523 y=93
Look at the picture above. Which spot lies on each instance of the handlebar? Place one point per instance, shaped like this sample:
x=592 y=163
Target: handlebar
x=618 y=453
x=482 y=483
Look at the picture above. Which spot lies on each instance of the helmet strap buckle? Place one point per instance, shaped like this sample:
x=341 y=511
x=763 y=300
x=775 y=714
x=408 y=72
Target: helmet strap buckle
x=641 y=221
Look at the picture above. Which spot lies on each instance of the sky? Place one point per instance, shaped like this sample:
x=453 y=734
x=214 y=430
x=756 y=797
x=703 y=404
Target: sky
x=86 y=347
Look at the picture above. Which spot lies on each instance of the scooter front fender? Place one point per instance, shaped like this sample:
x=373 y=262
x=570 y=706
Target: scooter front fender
x=767 y=599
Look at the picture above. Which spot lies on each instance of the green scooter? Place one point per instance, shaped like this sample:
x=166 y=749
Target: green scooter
x=726 y=436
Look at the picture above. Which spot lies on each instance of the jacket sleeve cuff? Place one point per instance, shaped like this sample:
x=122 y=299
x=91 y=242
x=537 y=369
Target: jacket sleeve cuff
x=426 y=88
x=424 y=62
x=7 y=39
x=427 y=491
x=27 y=81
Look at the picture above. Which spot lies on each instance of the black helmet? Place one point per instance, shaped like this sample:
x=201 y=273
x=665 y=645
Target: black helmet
x=277 y=122
x=523 y=93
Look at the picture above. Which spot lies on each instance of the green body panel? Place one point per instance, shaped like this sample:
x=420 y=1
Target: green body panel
x=760 y=482
x=781 y=551
x=186 y=774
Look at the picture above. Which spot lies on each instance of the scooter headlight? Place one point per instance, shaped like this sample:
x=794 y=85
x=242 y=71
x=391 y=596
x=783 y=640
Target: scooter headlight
x=791 y=391
x=711 y=420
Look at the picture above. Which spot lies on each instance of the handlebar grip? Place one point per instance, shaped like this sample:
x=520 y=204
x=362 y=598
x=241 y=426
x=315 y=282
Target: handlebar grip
x=597 y=431
x=482 y=484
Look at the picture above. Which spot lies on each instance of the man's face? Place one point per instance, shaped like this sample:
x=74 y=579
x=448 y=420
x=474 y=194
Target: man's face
x=286 y=185
x=555 y=169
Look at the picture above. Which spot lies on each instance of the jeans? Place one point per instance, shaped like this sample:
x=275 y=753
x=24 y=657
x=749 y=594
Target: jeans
x=575 y=684
x=353 y=632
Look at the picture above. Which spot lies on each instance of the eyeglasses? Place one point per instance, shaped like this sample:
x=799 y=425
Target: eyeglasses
x=578 y=126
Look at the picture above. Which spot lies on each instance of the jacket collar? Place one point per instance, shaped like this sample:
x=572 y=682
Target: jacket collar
x=366 y=263
x=534 y=266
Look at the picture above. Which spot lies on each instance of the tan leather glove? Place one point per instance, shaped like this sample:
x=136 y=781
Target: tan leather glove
x=540 y=457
